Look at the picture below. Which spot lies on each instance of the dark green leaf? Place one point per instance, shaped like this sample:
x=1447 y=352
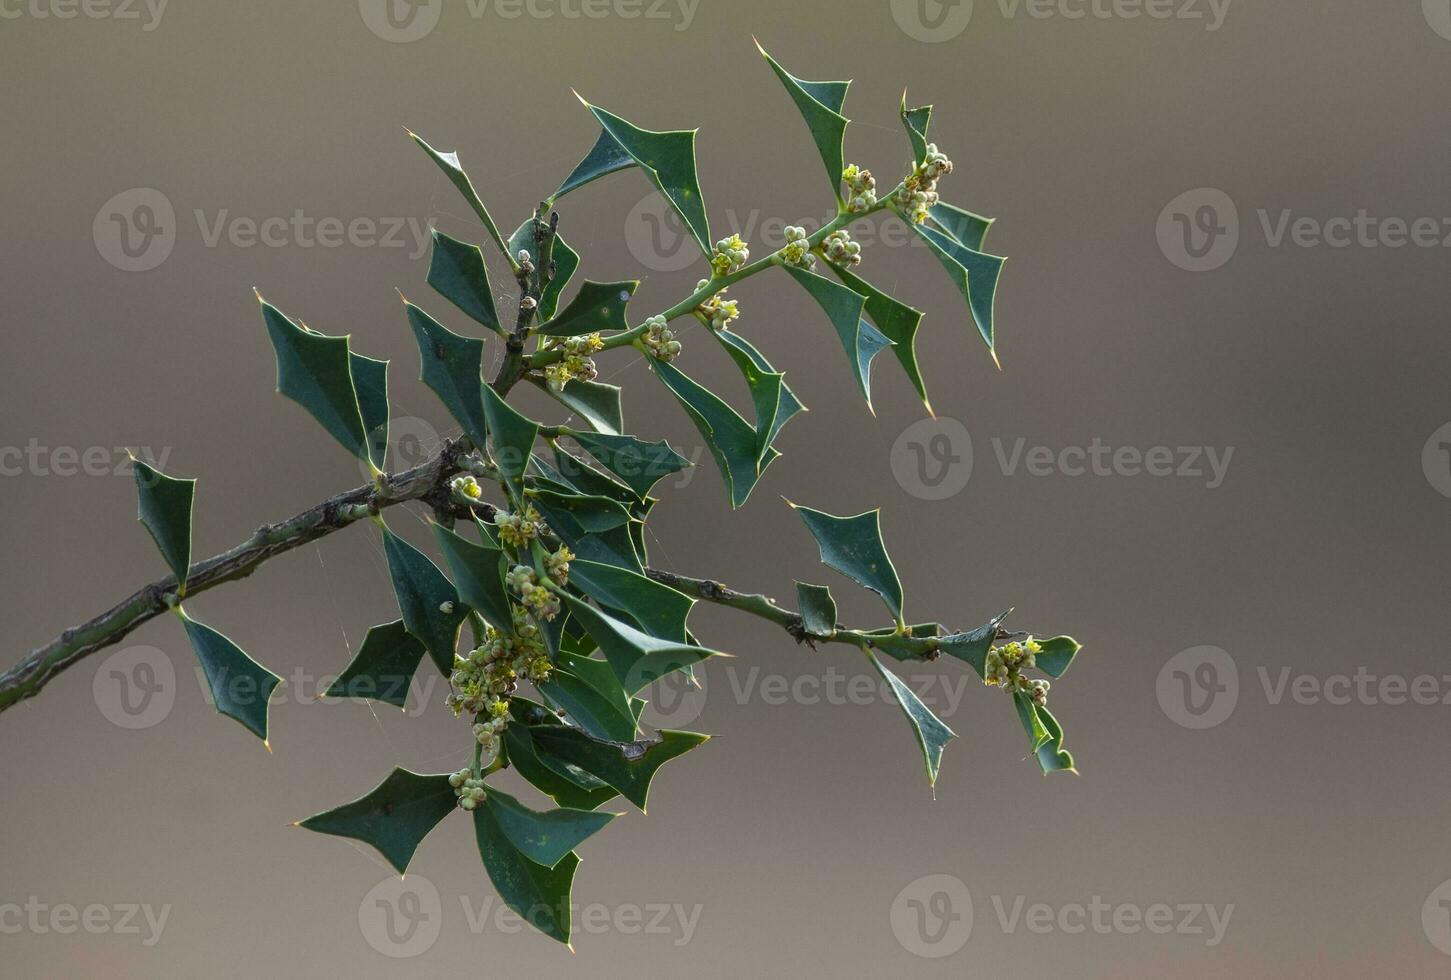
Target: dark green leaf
x=456 y=269
x=605 y=157
x=775 y=403
x=595 y=402
x=818 y=609
x=449 y=163
x=370 y=380
x=820 y=104
x=544 y=838
x=639 y=465
x=478 y=570
x=853 y=546
x=627 y=766
x=589 y=693
x=240 y=685
x=616 y=546
x=655 y=608
x=932 y=734
x=382 y=668
x=968 y=228
x=638 y=659
x=570 y=471
x=1052 y=757
x=1032 y=723
x=562 y=782
x=394 y=817
x=730 y=438
x=974 y=273
x=431 y=608
x=897 y=321
x=972 y=647
x=1057 y=654
x=843 y=307
x=163 y=506
x=539 y=894
x=591 y=514
x=597 y=306
x=513 y=436
x=452 y=367
x=915 y=121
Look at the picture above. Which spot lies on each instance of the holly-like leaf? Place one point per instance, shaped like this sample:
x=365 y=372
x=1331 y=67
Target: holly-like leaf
x=370 y=381
x=668 y=159
x=817 y=608
x=639 y=465
x=539 y=894
x=566 y=261
x=563 y=782
x=597 y=306
x=775 y=403
x=590 y=694
x=316 y=371
x=240 y=685
x=897 y=321
x=456 y=269
x=606 y=157
x=629 y=767
x=843 y=307
x=1057 y=654
x=570 y=471
x=974 y=273
x=730 y=438
x=597 y=403
x=448 y=162
x=1052 y=757
x=394 y=817
x=544 y=838
x=383 y=667
x=915 y=121
x=617 y=546
x=968 y=228
x=431 y=608
x=820 y=104
x=478 y=571
x=932 y=734
x=853 y=546
x=972 y=646
x=590 y=514
x=452 y=367
x=163 y=506
x=513 y=437
x=638 y=659
x=1032 y=722
x=655 y=608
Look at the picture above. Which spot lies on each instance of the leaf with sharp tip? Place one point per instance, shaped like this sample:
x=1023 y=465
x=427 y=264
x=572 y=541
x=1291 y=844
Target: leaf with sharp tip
x=591 y=514
x=843 y=308
x=451 y=367
x=569 y=470
x=544 y=838
x=513 y=437
x=566 y=261
x=456 y=269
x=853 y=546
x=817 y=608
x=560 y=781
x=590 y=694
x=478 y=569
x=968 y=228
x=730 y=438
x=315 y=371
x=423 y=593
x=539 y=894
x=606 y=157
x=1057 y=654
x=597 y=306
x=1052 y=757
x=638 y=659
x=972 y=646
x=1032 y=722
x=240 y=685
x=595 y=402
x=394 y=817
x=668 y=159
x=897 y=321
x=639 y=465
x=932 y=734
x=370 y=380
x=448 y=162
x=383 y=667
x=163 y=506
x=915 y=121
x=820 y=104
x=974 y=273
x=775 y=403
x=628 y=767
x=655 y=608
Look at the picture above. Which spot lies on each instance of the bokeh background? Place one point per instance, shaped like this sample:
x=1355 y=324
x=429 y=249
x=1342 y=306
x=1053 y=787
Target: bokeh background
x=804 y=839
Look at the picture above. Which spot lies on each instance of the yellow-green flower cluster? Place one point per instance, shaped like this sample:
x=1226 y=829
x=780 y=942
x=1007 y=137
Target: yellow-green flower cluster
x=660 y=340
x=576 y=363
x=469 y=790
x=466 y=486
x=533 y=594
x=483 y=681
x=720 y=312
x=1004 y=668
x=729 y=255
x=517 y=530
x=919 y=191
x=840 y=249
x=863 y=188
x=556 y=565
x=797 y=251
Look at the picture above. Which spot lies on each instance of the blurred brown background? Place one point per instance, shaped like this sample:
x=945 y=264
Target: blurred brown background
x=804 y=839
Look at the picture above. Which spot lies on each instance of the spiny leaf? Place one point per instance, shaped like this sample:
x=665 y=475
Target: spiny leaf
x=569 y=470
x=730 y=438
x=562 y=782
x=539 y=894
x=668 y=159
x=370 y=381
x=853 y=546
x=163 y=506
x=394 y=817
x=597 y=403
x=240 y=685
x=478 y=570
x=513 y=437
x=915 y=121
x=590 y=694
x=627 y=766
x=566 y=261
x=452 y=367
x=431 y=608
x=638 y=659
x=817 y=608
x=606 y=157
x=932 y=734
x=775 y=403
x=968 y=228
x=972 y=646
x=1052 y=757
x=591 y=514
x=974 y=273
x=597 y=306
x=382 y=668
x=448 y=162
x=843 y=307
x=820 y=104
x=897 y=321
x=1057 y=654
x=655 y=608
x=456 y=269
x=639 y=465
x=544 y=838
x=1032 y=722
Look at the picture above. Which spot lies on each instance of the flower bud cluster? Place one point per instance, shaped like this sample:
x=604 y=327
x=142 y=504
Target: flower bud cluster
x=1004 y=668
x=517 y=530
x=526 y=261
x=797 y=252
x=533 y=594
x=483 y=681
x=576 y=362
x=919 y=191
x=466 y=486
x=729 y=255
x=720 y=312
x=840 y=249
x=863 y=188
x=660 y=340
x=469 y=790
